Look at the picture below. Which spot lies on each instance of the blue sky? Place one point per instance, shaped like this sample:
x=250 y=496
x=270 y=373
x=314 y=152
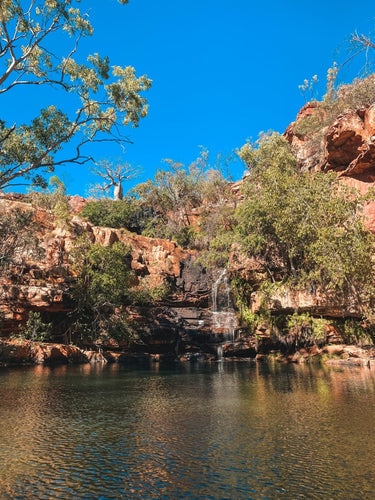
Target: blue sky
x=222 y=71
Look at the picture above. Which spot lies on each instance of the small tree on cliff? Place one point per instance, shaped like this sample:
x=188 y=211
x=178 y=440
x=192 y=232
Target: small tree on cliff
x=113 y=175
x=102 y=290
x=102 y=98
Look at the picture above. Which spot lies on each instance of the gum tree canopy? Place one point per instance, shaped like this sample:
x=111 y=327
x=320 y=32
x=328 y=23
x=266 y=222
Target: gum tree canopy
x=39 y=42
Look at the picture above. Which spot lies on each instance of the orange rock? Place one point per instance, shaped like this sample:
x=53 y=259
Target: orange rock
x=77 y=203
x=333 y=350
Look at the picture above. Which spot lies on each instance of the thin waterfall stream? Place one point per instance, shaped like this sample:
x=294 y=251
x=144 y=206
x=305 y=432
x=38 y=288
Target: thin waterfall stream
x=224 y=317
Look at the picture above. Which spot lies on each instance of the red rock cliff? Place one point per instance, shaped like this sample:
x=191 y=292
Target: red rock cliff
x=346 y=146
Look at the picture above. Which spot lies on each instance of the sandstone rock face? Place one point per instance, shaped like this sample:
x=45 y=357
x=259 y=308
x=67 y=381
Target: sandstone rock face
x=316 y=302
x=349 y=143
x=44 y=284
x=77 y=203
x=346 y=146
x=307 y=152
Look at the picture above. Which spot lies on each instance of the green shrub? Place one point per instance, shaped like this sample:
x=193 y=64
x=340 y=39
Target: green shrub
x=354 y=331
x=103 y=288
x=349 y=97
x=309 y=226
x=185 y=237
x=19 y=241
x=35 y=329
x=306 y=329
x=145 y=295
x=125 y=213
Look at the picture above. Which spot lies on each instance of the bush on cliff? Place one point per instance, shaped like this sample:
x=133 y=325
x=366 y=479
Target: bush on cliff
x=307 y=226
x=54 y=200
x=175 y=192
x=127 y=213
x=35 y=328
x=348 y=97
x=19 y=241
x=103 y=289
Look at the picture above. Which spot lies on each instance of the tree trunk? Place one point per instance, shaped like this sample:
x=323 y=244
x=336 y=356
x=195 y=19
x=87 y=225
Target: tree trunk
x=118 y=192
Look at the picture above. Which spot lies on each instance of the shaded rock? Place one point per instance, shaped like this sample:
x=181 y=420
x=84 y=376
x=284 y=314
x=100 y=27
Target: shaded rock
x=62 y=354
x=112 y=357
x=96 y=357
x=15 y=352
x=239 y=350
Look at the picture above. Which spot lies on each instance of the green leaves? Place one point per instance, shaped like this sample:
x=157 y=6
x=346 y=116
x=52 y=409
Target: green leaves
x=108 y=273
x=103 y=98
x=27 y=149
x=103 y=288
x=117 y=214
x=175 y=192
x=18 y=241
x=309 y=225
x=35 y=329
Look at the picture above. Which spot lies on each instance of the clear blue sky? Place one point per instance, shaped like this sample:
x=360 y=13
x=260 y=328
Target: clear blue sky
x=222 y=71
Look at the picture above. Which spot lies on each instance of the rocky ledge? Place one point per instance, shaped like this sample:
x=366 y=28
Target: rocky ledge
x=24 y=352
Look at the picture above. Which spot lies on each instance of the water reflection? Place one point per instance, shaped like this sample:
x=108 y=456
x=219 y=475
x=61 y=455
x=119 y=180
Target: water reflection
x=241 y=430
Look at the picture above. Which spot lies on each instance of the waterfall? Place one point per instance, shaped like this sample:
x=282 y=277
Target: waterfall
x=215 y=286
x=220 y=352
x=224 y=318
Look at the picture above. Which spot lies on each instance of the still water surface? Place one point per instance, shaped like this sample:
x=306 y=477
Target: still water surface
x=220 y=431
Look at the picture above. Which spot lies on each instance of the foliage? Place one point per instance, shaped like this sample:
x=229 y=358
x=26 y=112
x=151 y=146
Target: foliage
x=103 y=98
x=35 y=329
x=242 y=290
x=306 y=329
x=103 y=287
x=309 y=88
x=355 y=331
x=18 y=240
x=186 y=236
x=48 y=198
x=348 y=97
x=53 y=199
x=250 y=319
x=175 y=193
x=145 y=295
x=312 y=124
x=127 y=213
x=218 y=251
x=216 y=233
x=309 y=224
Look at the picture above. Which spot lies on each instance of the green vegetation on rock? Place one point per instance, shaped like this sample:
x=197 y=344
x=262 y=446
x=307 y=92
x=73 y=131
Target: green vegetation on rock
x=35 y=329
x=102 y=291
x=127 y=214
x=305 y=229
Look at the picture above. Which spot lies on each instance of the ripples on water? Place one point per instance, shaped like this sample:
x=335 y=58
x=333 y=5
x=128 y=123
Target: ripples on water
x=225 y=431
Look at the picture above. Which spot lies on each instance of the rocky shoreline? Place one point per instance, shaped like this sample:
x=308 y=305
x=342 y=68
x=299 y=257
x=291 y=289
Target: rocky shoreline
x=25 y=352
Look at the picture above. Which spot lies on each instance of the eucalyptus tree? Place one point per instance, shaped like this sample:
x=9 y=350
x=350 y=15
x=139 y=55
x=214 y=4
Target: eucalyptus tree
x=39 y=47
